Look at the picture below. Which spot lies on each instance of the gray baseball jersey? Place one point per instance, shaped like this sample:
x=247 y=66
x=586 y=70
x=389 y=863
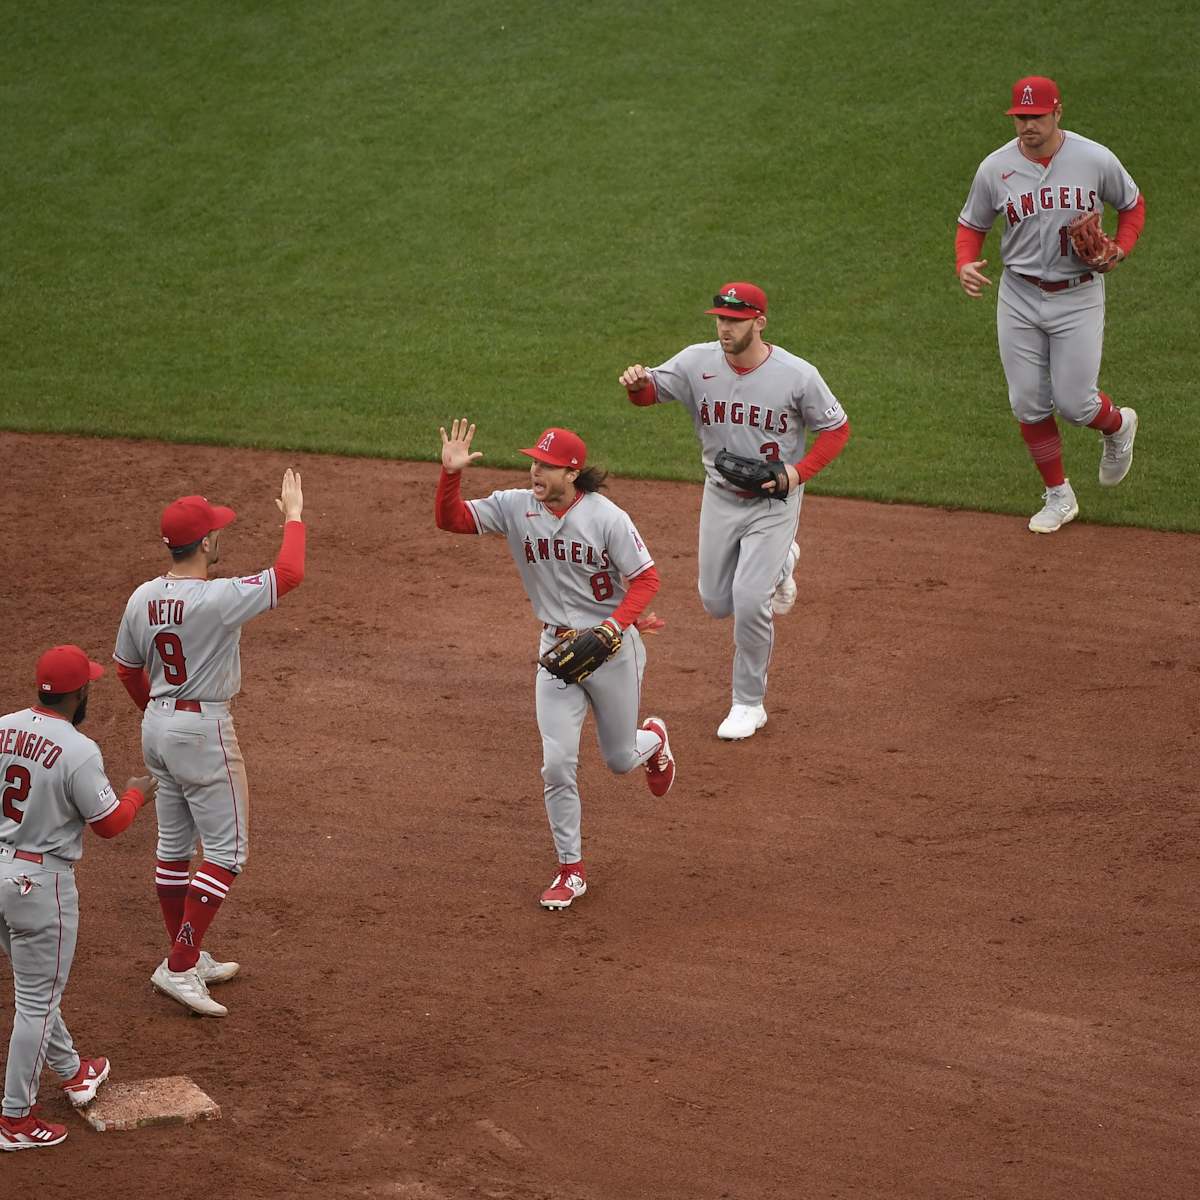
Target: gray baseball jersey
x=52 y=782
x=764 y=412
x=1039 y=202
x=187 y=633
x=745 y=543
x=576 y=568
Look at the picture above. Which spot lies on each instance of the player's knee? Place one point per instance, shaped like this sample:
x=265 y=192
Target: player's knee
x=749 y=601
x=717 y=606
x=622 y=763
x=1078 y=410
x=559 y=772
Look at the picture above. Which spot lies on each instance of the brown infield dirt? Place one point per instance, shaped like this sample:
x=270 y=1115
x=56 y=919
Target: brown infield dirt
x=932 y=933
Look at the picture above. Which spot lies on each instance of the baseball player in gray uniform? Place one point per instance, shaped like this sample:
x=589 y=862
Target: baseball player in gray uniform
x=1050 y=306
x=52 y=784
x=583 y=563
x=178 y=654
x=757 y=400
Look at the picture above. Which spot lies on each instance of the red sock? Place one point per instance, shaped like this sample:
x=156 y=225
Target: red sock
x=1045 y=448
x=209 y=887
x=1108 y=419
x=171 y=882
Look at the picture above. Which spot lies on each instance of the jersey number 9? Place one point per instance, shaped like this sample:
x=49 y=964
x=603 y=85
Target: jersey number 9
x=170 y=650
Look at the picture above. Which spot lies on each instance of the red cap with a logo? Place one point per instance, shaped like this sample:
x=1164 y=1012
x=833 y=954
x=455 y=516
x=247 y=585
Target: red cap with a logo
x=1033 y=96
x=741 y=301
x=190 y=518
x=559 y=448
x=65 y=669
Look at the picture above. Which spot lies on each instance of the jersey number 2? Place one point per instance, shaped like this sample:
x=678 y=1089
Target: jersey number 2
x=170 y=650
x=17 y=792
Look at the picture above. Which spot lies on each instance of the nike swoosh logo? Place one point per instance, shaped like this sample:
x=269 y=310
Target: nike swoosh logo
x=1005 y=174
x=533 y=514
x=703 y=376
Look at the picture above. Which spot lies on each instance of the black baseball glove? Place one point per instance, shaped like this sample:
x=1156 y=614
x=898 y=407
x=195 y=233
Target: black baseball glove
x=749 y=474
x=577 y=654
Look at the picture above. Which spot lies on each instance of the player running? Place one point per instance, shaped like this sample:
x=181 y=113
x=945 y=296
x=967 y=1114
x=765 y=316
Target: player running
x=583 y=564
x=178 y=656
x=52 y=784
x=1050 y=307
x=757 y=400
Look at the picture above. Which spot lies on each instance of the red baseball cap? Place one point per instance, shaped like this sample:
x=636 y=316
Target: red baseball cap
x=190 y=518
x=741 y=301
x=559 y=448
x=1033 y=96
x=65 y=669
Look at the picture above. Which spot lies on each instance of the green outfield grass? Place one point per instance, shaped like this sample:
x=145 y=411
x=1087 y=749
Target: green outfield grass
x=334 y=227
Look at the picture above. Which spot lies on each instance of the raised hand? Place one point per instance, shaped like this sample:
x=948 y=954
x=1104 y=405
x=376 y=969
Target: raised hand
x=456 y=448
x=291 y=497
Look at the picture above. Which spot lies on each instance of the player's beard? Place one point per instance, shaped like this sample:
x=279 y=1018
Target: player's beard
x=740 y=345
x=80 y=713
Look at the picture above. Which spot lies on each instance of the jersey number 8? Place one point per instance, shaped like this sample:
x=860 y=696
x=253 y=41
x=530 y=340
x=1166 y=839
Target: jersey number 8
x=170 y=650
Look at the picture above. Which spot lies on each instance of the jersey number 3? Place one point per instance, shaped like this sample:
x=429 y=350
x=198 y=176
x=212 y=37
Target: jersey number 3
x=17 y=792
x=170 y=650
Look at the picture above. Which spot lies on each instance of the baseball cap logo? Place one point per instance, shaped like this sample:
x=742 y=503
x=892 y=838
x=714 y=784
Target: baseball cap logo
x=1027 y=95
x=731 y=294
x=547 y=441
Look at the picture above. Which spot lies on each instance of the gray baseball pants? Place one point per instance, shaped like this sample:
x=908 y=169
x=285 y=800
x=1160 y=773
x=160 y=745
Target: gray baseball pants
x=39 y=925
x=613 y=692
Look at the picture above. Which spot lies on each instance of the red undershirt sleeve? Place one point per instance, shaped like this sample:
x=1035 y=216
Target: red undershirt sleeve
x=137 y=684
x=289 y=565
x=968 y=245
x=643 y=396
x=829 y=443
x=122 y=816
x=1130 y=223
x=450 y=509
x=641 y=592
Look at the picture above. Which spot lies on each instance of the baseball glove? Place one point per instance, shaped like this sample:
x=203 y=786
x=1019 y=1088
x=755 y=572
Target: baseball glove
x=578 y=653
x=1091 y=244
x=749 y=474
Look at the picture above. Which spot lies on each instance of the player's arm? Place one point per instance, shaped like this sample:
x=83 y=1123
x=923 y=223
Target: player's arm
x=136 y=683
x=450 y=510
x=641 y=591
x=827 y=445
x=968 y=246
x=639 y=385
x=131 y=663
x=1130 y=222
x=289 y=563
x=92 y=795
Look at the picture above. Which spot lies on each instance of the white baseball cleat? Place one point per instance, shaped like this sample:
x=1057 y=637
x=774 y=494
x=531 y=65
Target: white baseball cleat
x=1060 y=508
x=1117 y=455
x=784 y=595
x=212 y=971
x=744 y=721
x=188 y=988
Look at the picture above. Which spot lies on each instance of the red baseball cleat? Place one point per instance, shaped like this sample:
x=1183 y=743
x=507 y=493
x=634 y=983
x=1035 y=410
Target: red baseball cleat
x=29 y=1133
x=660 y=769
x=82 y=1088
x=567 y=885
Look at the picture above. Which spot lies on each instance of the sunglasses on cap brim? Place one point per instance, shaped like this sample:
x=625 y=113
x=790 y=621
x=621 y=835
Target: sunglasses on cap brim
x=737 y=305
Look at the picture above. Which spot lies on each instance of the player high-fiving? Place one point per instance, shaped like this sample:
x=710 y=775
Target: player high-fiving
x=585 y=567
x=178 y=654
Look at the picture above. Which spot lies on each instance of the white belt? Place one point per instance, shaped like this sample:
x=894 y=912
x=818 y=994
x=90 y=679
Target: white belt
x=203 y=708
